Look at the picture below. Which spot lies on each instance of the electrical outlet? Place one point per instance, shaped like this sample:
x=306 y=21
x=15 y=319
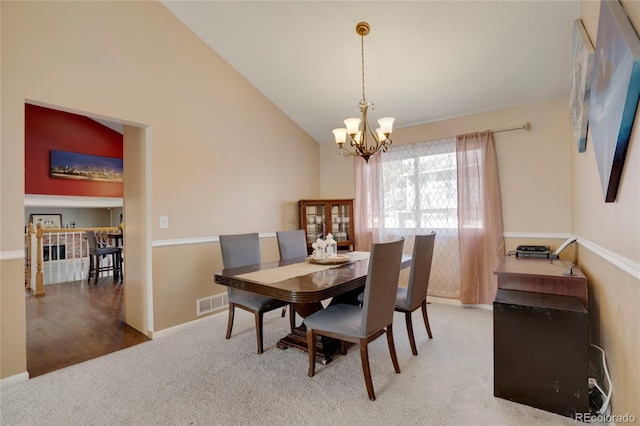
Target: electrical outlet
x=592 y=382
x=164 y=222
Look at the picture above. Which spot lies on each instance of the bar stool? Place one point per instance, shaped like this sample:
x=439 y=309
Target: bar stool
x=95 y=251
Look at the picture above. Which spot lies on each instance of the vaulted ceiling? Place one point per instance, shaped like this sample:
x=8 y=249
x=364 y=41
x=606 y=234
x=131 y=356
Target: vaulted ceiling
x=424 y=60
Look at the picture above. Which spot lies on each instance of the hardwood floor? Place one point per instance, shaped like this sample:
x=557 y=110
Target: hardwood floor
x=75 y=322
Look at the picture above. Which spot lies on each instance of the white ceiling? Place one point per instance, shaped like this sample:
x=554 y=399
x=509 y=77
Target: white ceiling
x=424 y=60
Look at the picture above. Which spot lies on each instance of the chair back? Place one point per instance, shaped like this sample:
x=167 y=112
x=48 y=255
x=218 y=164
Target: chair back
x=420 y=269
x=240 y=250
x=92 y=241
x=381 y=285
x=292 y=244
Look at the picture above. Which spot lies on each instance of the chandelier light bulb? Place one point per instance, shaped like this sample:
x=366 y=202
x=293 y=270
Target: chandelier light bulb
x=340 y=135
x=386 y=125
x=353 y=124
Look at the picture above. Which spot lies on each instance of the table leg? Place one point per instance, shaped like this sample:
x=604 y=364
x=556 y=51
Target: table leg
x=326 y=347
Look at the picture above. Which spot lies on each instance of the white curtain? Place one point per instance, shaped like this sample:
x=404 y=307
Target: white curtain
x=366 y=205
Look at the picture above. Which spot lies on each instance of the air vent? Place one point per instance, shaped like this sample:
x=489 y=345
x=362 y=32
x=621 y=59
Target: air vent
x=209 y=304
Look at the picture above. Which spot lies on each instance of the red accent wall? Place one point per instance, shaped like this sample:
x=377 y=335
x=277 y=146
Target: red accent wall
x=48 y=129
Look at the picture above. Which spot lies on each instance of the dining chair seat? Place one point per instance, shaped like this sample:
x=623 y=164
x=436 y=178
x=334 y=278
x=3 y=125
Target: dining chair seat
x=342 y=319
x=401 y=299
x=363 y=324
x=253 y=301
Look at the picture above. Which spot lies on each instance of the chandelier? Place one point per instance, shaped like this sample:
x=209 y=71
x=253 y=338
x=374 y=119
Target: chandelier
x=363 y=141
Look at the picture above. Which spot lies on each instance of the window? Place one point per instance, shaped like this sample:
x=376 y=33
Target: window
x=419 y=195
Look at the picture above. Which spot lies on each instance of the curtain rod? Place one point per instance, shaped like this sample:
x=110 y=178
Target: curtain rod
x=526 y=126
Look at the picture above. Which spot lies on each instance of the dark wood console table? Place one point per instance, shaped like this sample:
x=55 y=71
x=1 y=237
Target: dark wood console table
x=541 y=342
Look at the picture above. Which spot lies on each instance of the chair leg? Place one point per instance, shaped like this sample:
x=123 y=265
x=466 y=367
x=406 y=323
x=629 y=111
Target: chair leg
x=116 y=270
x=311 y=348
x=392 y=348
x=120 y=267
x=426 y=318
x=232 y=309
x=366 y=369
x=259 y=331
x=412 y=340
x=97 y=270
x=91 y=268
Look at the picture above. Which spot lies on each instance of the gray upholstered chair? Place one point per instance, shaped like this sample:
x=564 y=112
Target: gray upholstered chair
x=96 y=251
x=414 y=295
x=363 y=324
x=292 y=245
x=242 y=250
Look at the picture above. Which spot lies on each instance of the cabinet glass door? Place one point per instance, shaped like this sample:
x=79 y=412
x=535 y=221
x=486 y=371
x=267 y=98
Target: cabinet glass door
x=340 y=218
x=316 y=221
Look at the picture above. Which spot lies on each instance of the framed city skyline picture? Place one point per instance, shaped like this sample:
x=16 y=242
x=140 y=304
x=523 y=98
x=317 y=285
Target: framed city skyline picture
x=78 y=166
x=615 y=90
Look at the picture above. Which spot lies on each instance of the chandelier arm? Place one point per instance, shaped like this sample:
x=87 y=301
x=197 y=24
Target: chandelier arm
x=350 y=152
x=375 y=138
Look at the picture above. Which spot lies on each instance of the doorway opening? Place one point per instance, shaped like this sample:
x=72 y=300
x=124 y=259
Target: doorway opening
x=125 y=308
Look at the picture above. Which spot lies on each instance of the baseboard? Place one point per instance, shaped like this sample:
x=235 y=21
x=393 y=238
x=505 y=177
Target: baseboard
x=169 y=331
x=456 y=302
x=12 y=380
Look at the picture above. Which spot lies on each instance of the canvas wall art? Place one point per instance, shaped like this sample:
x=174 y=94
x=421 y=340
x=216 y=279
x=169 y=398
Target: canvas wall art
x=582 y=61
x=615 y=90
x=78 y=166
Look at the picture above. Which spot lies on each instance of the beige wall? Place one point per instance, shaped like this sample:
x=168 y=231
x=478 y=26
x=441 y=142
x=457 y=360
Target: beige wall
x=212 y=164
x=201 y=260
x=535 y=169
x=615 y=229
x=13 y=338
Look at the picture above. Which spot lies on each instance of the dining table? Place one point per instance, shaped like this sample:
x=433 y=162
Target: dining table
x=308 y=286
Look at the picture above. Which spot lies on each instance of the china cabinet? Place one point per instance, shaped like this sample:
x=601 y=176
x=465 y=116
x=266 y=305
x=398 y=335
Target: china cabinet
x=321 y=217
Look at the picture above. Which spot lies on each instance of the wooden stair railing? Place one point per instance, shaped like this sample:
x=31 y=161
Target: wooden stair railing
x=35 y=246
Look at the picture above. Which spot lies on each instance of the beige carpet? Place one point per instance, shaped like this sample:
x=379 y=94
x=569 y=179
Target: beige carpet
x=195 y=376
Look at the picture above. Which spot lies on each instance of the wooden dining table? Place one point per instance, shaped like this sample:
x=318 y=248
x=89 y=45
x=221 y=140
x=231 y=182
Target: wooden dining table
x=305 y=285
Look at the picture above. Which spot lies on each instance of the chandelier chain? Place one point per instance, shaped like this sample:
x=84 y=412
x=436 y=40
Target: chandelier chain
x=364 y=99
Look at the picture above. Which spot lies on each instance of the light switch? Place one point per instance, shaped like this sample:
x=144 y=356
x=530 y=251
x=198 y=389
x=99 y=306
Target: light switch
x=164 y=221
